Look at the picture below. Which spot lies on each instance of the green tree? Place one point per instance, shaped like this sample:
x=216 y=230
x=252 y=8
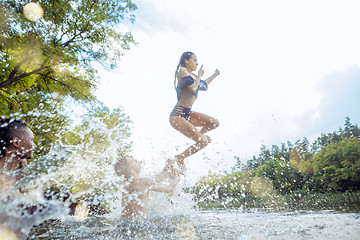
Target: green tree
x=291 y=167
x=221 y=186
x=266 y=155
x=282 y=152
x=350 y=130
x=284 y=176
x=99 y=129
x=45 y=62
x=55 y=53
x=336 y=167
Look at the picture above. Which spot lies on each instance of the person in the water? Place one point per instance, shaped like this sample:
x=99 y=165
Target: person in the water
x=183 y=118
x=16 y=146
x=136 y=191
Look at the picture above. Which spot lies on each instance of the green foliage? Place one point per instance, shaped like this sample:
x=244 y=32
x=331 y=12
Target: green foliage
x=349 y=131
x=44 y=116
x=80 y=162
x=292 y=168
x=45 y=62
x=337 y=167
x=284 y=176
x=266 y=155
x=235 y=184
x=55 y=53
x=301 y=150
x=99 y=130
x=67 y=39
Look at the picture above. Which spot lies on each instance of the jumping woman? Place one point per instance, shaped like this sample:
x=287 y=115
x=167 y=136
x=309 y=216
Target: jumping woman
x=192 y=124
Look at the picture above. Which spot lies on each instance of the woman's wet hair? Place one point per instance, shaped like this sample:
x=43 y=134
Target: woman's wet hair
x=184 y=56
x=7 y=126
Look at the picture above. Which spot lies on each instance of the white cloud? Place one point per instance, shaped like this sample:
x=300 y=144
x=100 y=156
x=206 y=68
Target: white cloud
x=339 y=98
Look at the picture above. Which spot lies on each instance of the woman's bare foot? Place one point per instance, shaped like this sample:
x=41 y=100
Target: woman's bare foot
x=181 y=163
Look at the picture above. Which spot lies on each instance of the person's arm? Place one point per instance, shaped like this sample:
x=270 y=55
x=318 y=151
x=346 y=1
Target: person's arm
x=167 y=172
x=163 y=174
x=166 y=187
x=195 y=85
x=209 y=79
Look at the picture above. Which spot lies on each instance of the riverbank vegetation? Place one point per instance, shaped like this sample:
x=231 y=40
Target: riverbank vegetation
x=323 y=174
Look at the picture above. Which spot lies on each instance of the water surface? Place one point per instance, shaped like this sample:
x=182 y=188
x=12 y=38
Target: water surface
x=217 y=224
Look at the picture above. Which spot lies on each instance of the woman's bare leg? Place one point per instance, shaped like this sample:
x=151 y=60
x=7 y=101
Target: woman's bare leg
x=207 y=123
x=189 y=129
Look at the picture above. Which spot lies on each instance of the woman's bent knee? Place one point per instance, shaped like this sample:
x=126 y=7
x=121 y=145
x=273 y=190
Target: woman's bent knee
x=203 y=141
x=214 y=123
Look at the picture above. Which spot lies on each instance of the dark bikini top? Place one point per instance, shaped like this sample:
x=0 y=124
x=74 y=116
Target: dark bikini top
x=187 y=81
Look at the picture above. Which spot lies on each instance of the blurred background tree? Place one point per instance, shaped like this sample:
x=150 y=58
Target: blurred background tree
x=46 y=62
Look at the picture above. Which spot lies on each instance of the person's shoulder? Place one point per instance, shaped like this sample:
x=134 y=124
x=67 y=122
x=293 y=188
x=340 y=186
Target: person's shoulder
x=144 y=182
x=183 y=72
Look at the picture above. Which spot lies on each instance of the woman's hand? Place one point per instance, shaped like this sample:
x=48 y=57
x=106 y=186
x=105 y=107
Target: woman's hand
x=217 y=72
x=201 y=71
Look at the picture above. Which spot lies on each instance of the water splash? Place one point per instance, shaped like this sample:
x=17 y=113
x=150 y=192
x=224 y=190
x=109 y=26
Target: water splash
x=19 y=221
x=77 y=177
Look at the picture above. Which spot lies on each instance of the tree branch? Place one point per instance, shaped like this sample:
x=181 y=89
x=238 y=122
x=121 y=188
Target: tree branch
x=70 y=89
x=13 y=79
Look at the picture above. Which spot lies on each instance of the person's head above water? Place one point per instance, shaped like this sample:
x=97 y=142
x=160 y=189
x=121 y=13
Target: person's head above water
x=185 y=56
x=16 y=140
x=188 y=60
x=127 y=168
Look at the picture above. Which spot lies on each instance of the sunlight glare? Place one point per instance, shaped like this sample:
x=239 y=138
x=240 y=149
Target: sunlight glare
x=33 y=11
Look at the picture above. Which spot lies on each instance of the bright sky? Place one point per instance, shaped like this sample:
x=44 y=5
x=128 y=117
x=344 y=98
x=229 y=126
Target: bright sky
x=289 y=69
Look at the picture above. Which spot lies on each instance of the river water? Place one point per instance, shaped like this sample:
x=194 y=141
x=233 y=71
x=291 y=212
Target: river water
x=217 y=224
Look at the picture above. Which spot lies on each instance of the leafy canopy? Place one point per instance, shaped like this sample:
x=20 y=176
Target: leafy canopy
x=45 y=62
x=55 y=54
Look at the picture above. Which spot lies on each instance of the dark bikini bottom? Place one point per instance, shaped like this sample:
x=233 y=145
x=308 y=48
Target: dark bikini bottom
x=181 y=111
